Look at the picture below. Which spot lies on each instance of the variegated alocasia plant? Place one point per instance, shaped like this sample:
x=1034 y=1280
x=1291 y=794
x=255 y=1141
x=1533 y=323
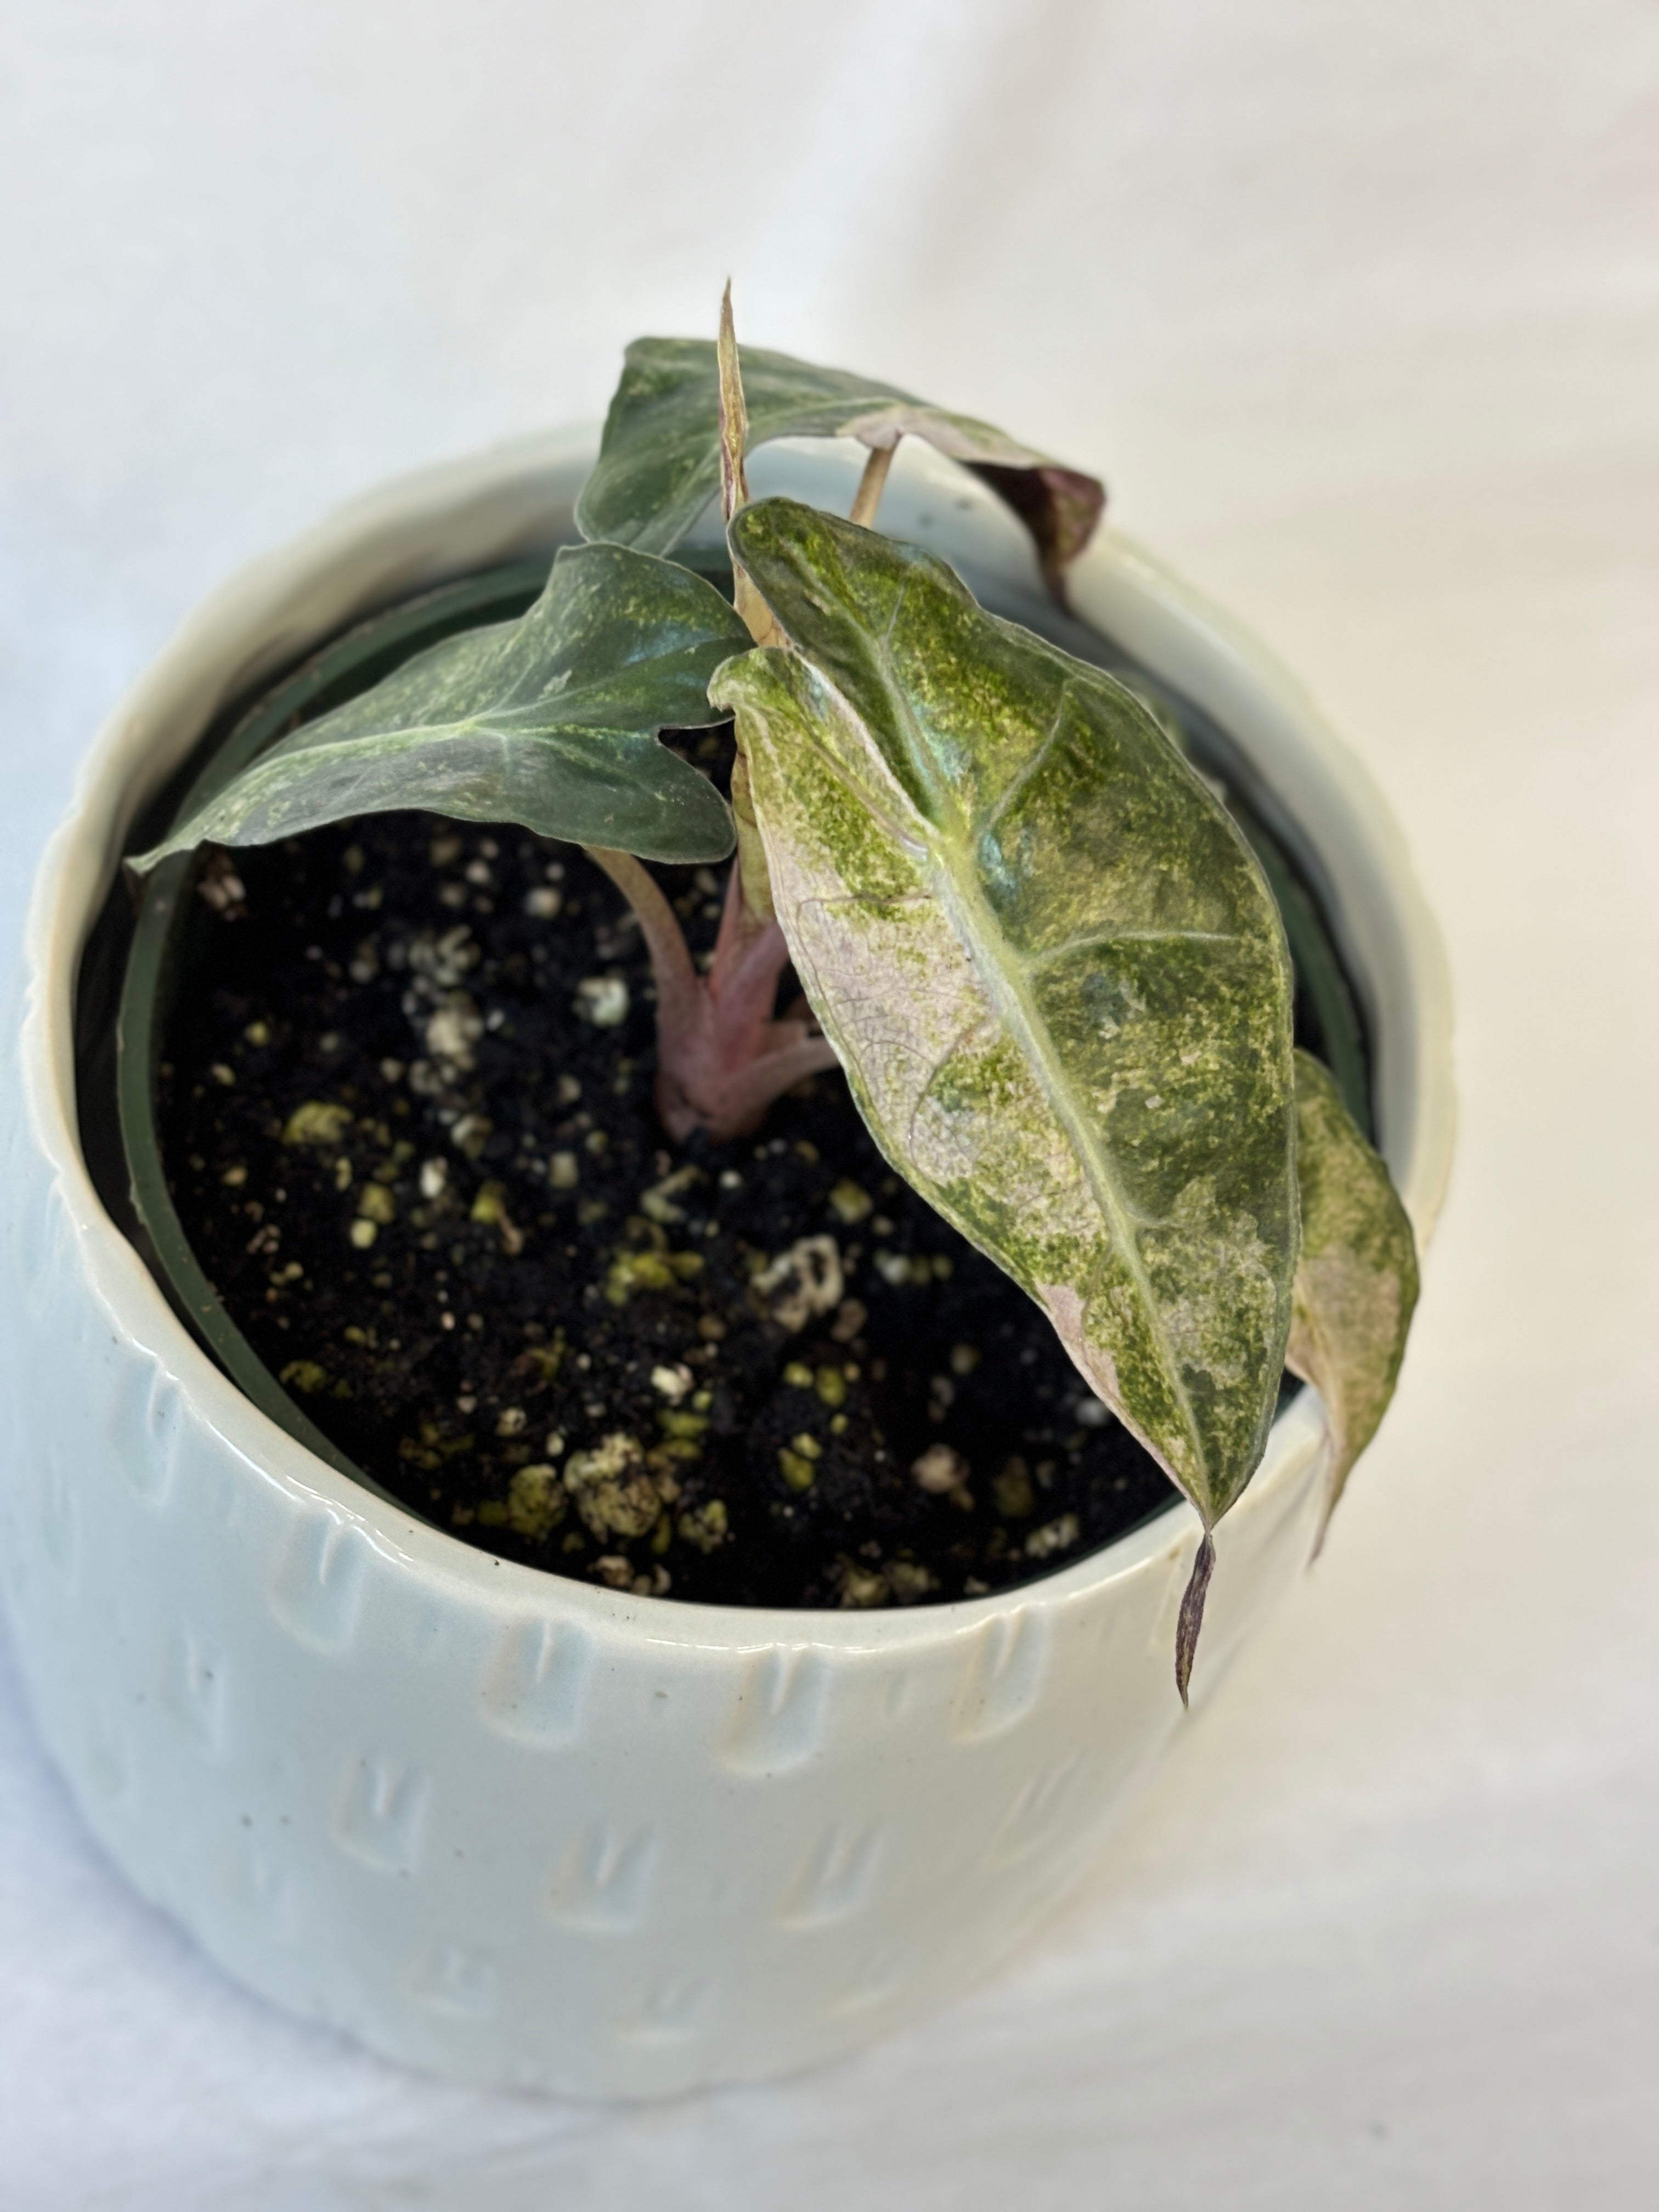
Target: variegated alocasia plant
x=1049 y=963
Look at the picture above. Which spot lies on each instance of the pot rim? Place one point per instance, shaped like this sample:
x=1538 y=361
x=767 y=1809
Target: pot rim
x=493 y=507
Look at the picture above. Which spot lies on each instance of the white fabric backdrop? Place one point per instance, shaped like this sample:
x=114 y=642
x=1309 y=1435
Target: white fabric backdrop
x=1357 y=308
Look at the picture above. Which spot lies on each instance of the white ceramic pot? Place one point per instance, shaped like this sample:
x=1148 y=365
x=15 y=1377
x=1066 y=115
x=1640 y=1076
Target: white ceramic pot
x=522 y=1830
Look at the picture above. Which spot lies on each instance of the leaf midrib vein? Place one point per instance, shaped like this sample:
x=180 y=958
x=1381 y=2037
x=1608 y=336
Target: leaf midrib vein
x=966 y=905
x=1004 y=979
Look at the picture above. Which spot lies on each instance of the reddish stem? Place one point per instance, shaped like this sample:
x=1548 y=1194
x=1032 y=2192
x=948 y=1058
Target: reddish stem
x=722 y=1055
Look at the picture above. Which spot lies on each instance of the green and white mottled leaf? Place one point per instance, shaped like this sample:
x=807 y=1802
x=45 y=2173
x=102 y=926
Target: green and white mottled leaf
x=1050 y=965
x=549 y=720
x=659 y=458
x=1356 y=1281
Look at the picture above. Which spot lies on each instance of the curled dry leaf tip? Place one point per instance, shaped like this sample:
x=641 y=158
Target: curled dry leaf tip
x=1191 y=1618
x=734 y=415
x=734 y=481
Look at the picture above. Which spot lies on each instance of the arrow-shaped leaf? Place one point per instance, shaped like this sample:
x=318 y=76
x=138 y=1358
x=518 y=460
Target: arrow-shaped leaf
x=549 y=720
x=659 y=459
x=1050 y=965
x=1356 y=1281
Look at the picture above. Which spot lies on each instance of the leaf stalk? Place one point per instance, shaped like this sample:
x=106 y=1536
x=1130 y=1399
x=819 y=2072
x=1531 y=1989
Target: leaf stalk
x=722 y=1055
x=866 y=501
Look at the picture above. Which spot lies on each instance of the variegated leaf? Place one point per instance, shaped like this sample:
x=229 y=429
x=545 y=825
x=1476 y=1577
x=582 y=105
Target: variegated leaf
x=550 y=721
x=659 y=459
x=1050 y=965
x=1356 y=1281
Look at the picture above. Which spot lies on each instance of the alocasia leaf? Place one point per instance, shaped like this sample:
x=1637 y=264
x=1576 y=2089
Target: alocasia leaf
x=659 y=458
x=549 y=720
x=1356 y=1281
x=1051 y=967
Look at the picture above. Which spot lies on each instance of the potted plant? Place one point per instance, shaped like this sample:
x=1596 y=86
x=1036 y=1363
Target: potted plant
x=518 y=1808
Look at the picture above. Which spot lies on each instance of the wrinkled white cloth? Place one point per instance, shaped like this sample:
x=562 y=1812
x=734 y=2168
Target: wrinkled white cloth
x=1358 y=308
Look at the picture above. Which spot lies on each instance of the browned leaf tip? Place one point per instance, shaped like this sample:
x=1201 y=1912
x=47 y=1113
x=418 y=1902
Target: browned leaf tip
x=734 y=484
x=734 y=415
x=1059 y=507
x=1192 y=1613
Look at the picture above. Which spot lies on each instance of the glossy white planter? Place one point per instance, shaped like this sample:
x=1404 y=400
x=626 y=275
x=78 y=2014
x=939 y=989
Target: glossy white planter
x=515 y=1828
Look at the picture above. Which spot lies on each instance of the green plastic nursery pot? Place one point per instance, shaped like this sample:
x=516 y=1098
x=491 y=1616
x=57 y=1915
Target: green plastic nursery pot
x=159 y=964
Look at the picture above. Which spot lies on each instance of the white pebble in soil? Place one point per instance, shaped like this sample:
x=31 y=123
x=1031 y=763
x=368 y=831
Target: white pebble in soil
x=602 y=1000
x=939 y=1470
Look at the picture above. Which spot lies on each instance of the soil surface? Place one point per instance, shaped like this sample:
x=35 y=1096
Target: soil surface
x=406 y=1114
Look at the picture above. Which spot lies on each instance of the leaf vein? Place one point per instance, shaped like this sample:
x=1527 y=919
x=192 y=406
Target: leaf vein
x=1023 y=774
x=1031 y=961
x=1004 y=980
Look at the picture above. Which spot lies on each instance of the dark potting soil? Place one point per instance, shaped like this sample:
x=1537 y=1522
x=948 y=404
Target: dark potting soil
x=407 y=1119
